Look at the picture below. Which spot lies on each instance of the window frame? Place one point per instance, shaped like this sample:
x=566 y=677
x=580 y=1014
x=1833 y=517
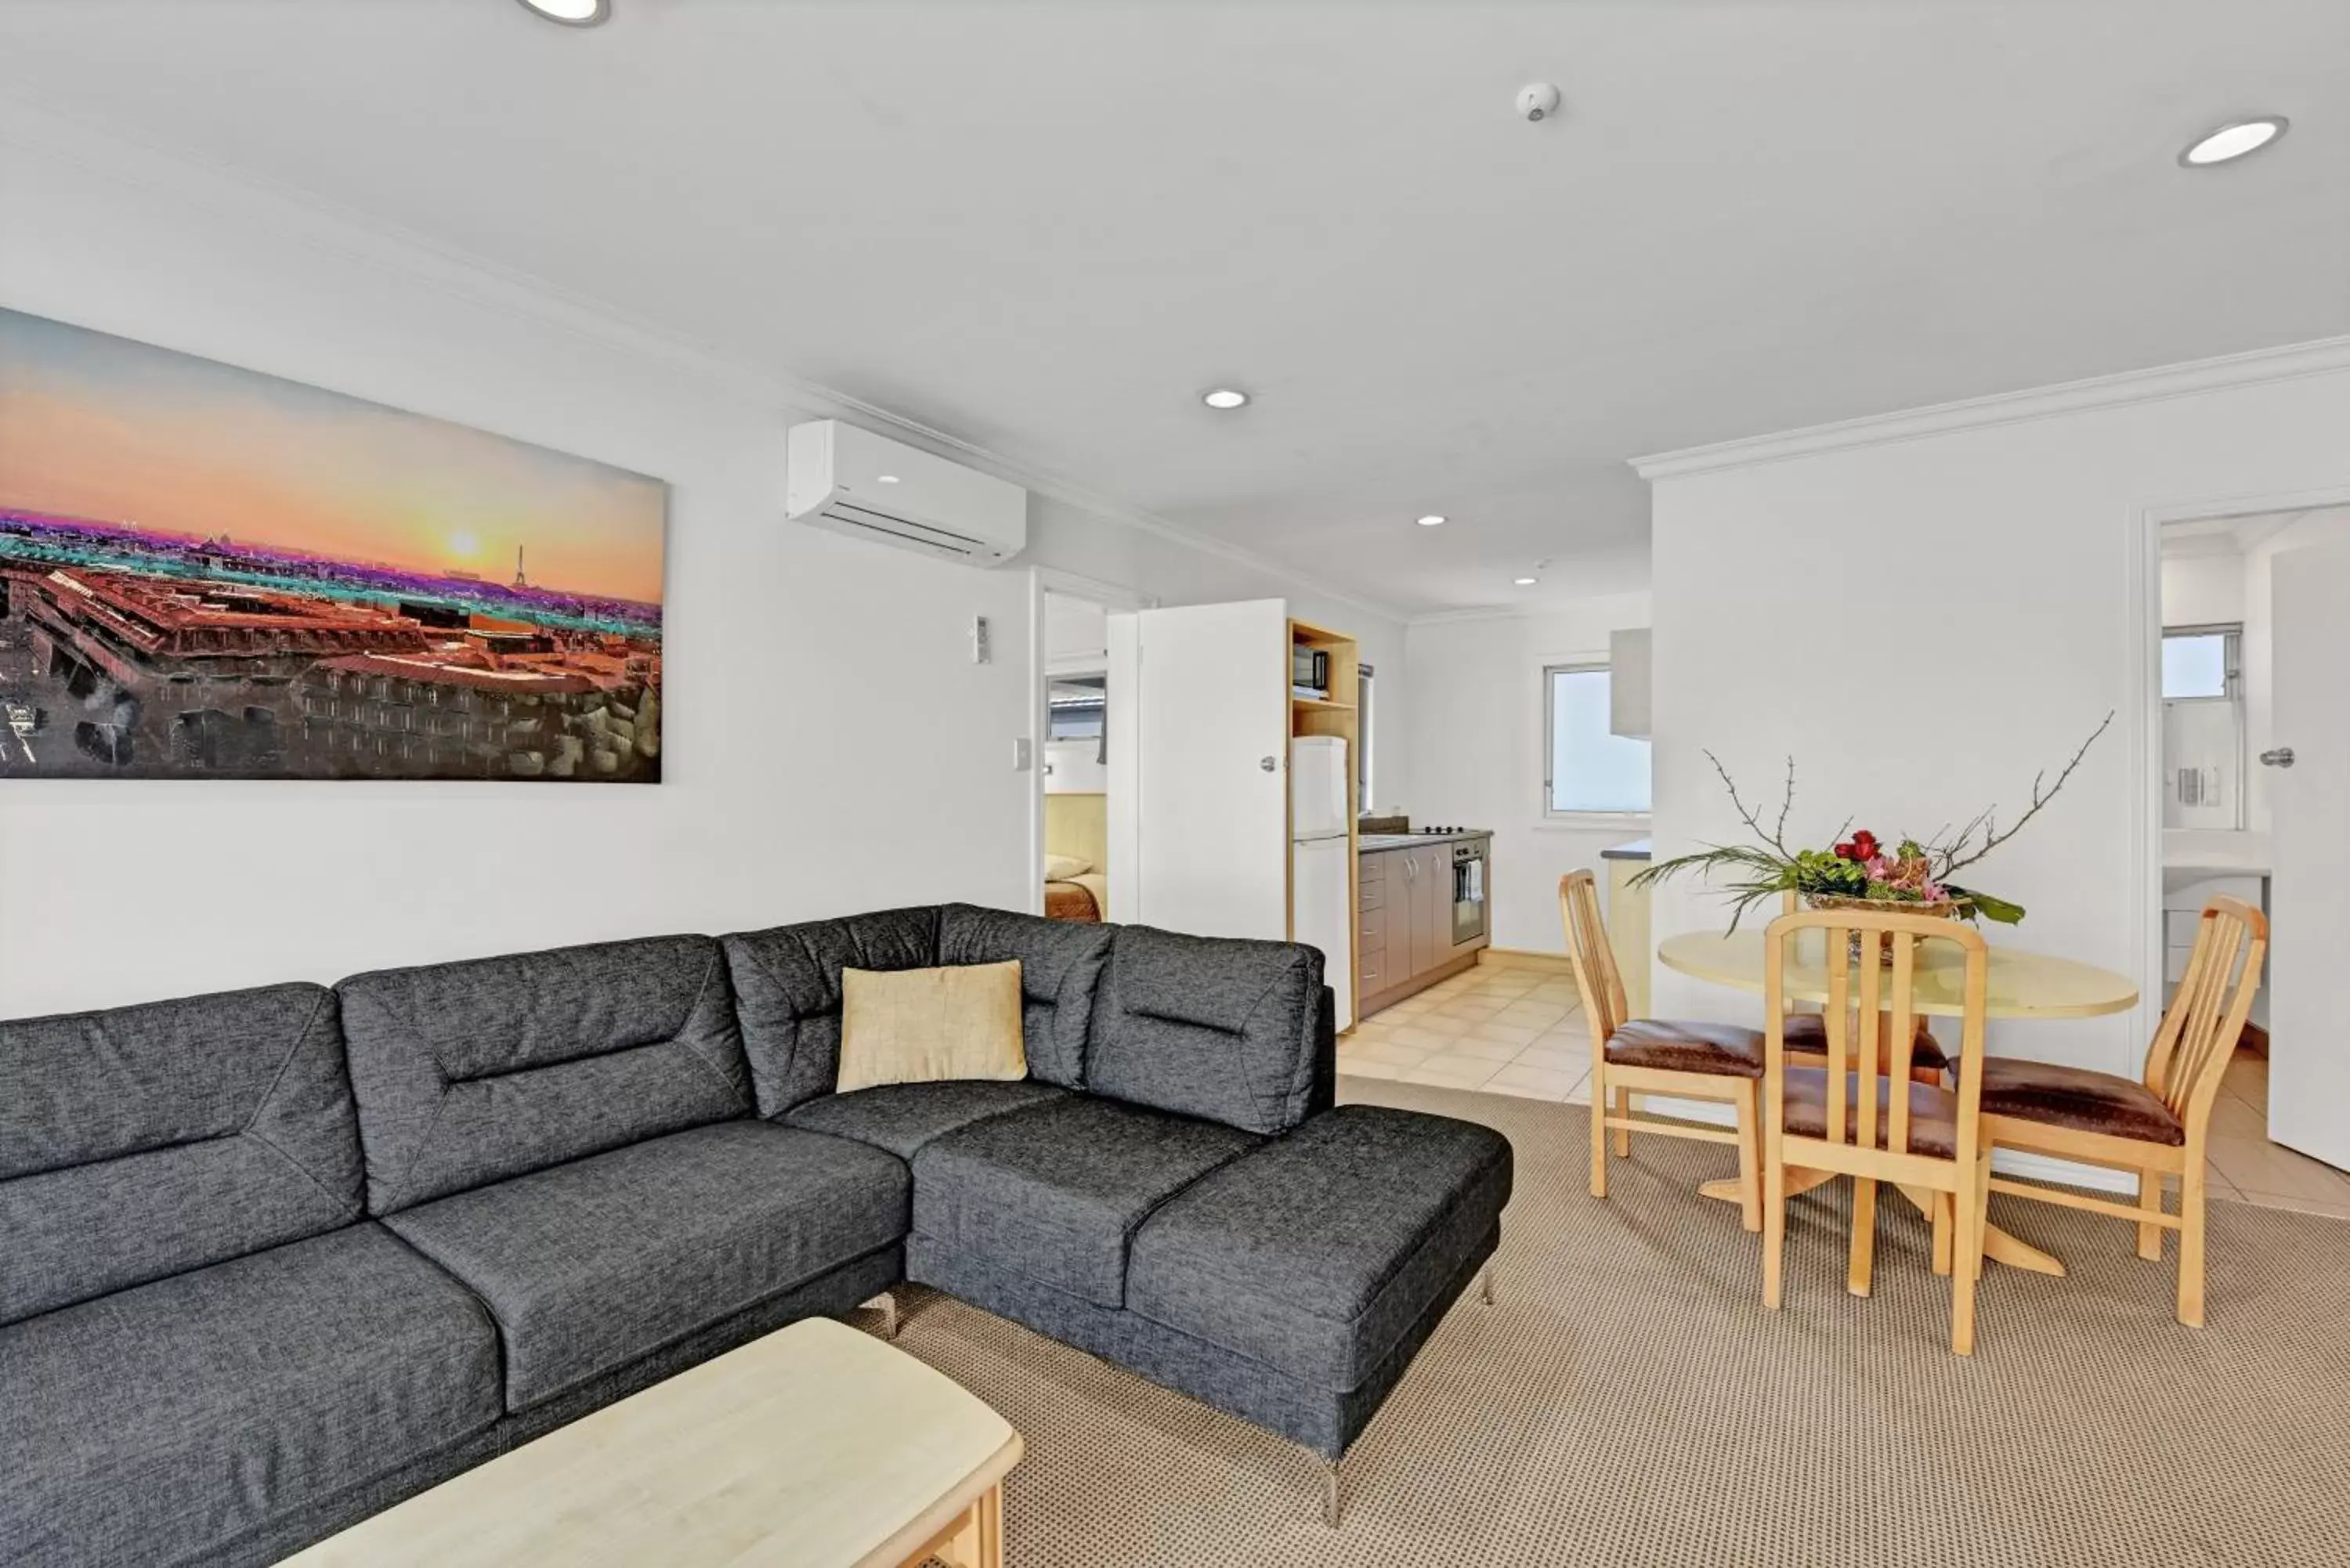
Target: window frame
x=1365 y=689
x=1550 y=815
x=2232 y=694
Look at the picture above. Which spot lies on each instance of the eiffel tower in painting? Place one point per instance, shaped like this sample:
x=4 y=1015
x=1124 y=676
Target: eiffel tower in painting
x=520 y=581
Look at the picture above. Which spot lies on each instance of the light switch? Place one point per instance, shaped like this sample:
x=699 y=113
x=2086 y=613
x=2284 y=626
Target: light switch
x=1022 y=756
x=980 y=651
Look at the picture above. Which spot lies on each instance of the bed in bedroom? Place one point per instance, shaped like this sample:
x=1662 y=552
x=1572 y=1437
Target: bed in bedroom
x=1077 y=855
x=1083 y=897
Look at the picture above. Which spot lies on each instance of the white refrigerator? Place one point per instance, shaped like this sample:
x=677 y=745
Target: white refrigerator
x=1321 y=880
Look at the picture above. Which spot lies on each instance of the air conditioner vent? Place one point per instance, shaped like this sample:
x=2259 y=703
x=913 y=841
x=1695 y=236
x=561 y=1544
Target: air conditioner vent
x=855 y=482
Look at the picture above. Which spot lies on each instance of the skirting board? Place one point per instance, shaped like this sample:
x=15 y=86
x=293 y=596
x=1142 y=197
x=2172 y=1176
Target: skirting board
x=1527 y=958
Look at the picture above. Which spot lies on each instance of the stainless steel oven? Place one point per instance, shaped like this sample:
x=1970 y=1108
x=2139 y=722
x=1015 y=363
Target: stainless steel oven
x=1469 y=890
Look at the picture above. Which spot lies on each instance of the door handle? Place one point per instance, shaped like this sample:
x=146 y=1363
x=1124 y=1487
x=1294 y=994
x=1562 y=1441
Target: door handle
x=2282 y=757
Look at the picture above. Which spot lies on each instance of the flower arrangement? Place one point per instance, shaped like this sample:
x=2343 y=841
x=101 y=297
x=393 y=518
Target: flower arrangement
x=1859 y=869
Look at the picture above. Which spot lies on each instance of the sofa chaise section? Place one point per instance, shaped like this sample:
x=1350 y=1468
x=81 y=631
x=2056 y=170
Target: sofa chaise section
x=1326 y=1257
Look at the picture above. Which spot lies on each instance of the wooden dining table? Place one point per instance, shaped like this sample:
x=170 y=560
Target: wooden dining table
x=2019 y=984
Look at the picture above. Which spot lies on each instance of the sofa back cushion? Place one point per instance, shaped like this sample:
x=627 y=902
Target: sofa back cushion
x=1060 y=965
x=1232 y=1031
x=787 y=987
x=469 y=1073
x=146 y=1141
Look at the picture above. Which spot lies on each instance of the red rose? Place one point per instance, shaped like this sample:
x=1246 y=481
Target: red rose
x=1861 y=845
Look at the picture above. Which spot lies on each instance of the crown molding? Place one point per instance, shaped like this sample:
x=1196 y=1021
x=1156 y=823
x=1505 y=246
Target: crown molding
x=2319 y=356
x=302 y=216
x=1481 y=612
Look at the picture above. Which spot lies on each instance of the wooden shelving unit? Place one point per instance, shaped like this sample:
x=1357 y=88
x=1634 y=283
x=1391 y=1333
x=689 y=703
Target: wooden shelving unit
x=1339 y=715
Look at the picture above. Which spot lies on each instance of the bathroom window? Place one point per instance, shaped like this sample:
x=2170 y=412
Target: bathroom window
x=2203 y=727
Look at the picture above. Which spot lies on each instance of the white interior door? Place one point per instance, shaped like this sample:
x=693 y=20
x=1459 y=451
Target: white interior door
x=1209 y=811
x=2309 y=1057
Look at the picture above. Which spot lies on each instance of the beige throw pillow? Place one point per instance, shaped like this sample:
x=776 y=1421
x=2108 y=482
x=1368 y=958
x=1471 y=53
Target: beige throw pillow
x=926 y=1025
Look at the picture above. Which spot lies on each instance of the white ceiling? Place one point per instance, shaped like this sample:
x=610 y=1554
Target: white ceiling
x=1043 y=228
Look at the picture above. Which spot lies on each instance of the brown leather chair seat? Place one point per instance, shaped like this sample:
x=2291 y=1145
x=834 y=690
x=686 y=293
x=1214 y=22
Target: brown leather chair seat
x=1933 y=1111
x=1806 y=1035
x=2079 y=1099
x=1676 y=1047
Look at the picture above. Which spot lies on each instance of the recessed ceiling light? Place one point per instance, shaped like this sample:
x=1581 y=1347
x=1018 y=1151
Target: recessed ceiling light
x=2232 y=141
x=1224 y=397
x=1524 y=582
x=573 y=13
x=887 y=478
x=1433 y=520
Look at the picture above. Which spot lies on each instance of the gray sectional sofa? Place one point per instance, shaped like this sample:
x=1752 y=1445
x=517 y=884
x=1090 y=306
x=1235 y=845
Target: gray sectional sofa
x=273 y=1259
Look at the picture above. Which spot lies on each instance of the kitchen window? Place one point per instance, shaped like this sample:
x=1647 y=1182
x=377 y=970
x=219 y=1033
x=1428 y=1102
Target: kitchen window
x=1363 y=796
x=1587 y=772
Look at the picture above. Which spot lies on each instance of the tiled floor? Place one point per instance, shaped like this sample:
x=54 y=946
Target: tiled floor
x=1513 y=1026
x=2246 y=1165
x=1507 y=1026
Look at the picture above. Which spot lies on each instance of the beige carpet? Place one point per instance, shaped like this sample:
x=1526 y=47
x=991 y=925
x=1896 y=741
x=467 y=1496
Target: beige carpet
x=1628 y=1401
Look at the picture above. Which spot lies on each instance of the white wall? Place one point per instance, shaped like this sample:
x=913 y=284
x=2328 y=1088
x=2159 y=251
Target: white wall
x=1477 y=751
x=2203 y=590
x=829 y=745
x=1925 y=621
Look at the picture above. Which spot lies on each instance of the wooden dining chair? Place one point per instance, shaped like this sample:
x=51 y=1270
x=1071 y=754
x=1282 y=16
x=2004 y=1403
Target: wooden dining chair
x=1807 y=1032
x=1637 y=1056
x=1862 y=1114
x=2157 y=1125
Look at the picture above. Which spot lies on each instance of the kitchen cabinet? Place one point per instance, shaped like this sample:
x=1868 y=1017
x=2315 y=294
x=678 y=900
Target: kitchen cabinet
x=1429 y=873
x=1405 y=924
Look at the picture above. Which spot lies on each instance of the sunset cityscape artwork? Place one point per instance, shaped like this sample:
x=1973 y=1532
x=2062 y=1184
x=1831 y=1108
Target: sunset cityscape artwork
x=212 y=573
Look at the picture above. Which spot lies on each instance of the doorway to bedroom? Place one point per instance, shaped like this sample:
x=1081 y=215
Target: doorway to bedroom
x=1074 y=761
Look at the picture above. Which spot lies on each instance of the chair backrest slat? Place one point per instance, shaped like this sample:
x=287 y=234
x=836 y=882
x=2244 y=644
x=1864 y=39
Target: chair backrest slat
x=2206 y=1016
x=1596 y=975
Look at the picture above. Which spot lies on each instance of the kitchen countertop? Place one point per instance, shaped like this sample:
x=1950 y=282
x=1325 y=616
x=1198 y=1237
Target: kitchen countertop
x=1637 y=849
x=1373 y=843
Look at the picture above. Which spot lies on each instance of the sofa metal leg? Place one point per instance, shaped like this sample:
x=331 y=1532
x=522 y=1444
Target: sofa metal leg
x=1485 y=1285
x=886 y=1304
x=1330 y=1493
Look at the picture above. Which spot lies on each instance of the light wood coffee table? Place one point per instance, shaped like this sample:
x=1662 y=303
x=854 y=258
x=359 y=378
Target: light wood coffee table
x=816 y=1446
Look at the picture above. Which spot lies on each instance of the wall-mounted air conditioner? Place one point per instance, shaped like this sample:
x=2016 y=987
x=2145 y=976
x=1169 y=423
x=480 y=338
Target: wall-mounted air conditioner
x=869 y=487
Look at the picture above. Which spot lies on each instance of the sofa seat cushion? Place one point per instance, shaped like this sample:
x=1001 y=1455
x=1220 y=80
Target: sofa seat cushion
x=902 y=1117
x=589 y=1266
x=1315 y=1254
x=2077 y=1097
x=1678 y=1047
x=1933 y=1111
x=163 y=1419
x=1056 y=1192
